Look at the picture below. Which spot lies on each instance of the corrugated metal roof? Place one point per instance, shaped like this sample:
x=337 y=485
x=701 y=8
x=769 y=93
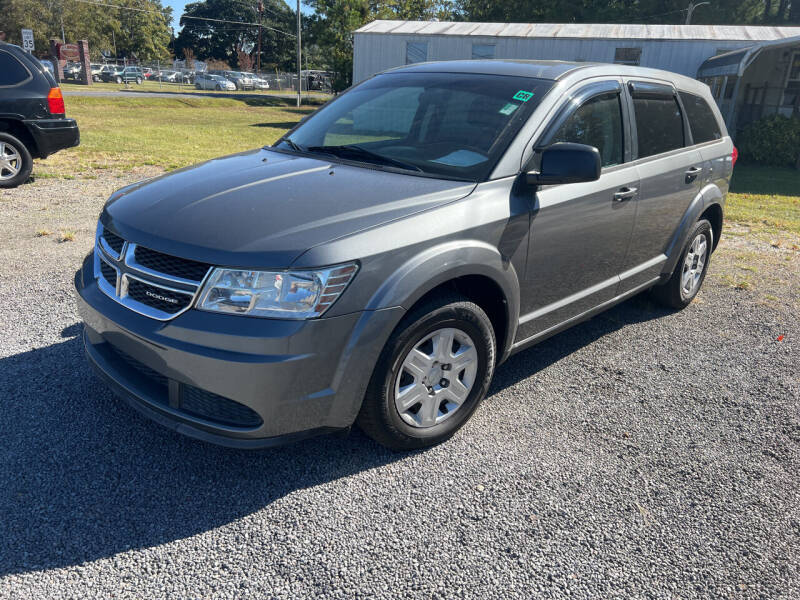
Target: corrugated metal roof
x=583 y=30
x=736 y=61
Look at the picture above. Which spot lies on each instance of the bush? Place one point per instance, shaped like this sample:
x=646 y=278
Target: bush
x=773 y=141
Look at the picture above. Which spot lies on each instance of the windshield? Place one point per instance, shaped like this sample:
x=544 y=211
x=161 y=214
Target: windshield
x=455 y=125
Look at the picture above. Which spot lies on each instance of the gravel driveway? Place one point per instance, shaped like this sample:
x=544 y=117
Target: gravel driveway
x=642 y=454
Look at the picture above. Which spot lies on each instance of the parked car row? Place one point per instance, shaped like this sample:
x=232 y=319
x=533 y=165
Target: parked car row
x=210 y=80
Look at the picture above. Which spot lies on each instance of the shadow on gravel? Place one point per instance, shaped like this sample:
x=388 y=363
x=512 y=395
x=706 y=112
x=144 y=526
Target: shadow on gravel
x=83 y=477
x=529 y=362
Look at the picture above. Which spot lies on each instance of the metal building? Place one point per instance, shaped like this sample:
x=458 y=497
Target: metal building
x=766 y=59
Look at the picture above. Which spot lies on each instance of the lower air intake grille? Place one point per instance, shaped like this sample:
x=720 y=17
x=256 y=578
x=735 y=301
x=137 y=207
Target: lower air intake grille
x=157 y=297
x=142 y=368
x=214 y=407
x=171 y=265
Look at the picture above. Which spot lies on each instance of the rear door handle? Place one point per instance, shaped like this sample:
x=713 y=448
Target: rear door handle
x=625 y=193
x=692 y=173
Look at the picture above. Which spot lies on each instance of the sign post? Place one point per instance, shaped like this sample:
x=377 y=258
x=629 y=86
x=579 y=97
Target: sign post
x=27 y=40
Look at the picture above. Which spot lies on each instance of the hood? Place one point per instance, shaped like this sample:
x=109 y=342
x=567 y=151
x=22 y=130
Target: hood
x=263 y=208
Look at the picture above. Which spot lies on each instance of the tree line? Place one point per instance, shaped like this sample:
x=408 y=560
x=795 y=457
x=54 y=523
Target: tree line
x=225 y=31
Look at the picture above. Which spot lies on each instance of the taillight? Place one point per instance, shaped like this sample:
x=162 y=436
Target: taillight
x=55 y=101
x=734 y=156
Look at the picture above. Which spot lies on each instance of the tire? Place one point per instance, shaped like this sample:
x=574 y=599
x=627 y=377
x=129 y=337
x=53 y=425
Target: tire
x=380 y=417
x=138 y=81
x=22 y=162
x=682 y=287
x=119 y=79
x=218 y=88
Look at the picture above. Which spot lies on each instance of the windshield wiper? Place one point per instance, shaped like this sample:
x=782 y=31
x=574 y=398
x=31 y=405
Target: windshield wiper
x=358 y=152
x=294 y=145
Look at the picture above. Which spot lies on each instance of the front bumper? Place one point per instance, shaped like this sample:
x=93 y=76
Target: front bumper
x=260 y=382
x=52 y=135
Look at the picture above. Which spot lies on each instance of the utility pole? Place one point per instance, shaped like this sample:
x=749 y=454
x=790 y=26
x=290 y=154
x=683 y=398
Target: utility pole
x=299 y=64
x=258 y=57
x=690 y=10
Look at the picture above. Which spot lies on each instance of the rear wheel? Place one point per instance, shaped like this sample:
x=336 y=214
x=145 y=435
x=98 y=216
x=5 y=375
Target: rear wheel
x=431 y=375
x=16 y=162
x=119 y=79
x=679 y=291
x=138 y=81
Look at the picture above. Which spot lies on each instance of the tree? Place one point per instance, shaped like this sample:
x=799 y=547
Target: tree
x=335 y=21
x=222 y=41
x=143 y=33
x=188 y=58
x=244 y=59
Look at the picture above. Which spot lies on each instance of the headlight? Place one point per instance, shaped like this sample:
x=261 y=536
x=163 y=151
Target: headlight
x=275 y=294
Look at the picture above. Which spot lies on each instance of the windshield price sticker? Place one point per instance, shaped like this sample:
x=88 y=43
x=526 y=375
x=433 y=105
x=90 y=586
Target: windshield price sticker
x=523 y=96
x=508 y=108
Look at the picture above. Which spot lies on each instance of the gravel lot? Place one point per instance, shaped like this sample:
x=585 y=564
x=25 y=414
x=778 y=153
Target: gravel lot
x=642 y=454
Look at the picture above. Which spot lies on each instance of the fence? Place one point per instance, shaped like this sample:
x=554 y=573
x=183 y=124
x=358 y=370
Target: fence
x=169 y=75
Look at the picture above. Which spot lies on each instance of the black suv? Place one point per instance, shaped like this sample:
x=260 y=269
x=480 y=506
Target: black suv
x=32 y=123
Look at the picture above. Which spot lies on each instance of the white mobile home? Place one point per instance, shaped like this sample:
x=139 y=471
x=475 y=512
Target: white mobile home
x=683 y=49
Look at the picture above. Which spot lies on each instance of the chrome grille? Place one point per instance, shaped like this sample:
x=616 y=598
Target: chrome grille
x=109 y=273
x=151 y=283
x=183 y=268
x=114 y=241
x=159 y=298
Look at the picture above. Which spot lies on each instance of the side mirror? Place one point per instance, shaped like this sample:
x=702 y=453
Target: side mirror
x=565 y=162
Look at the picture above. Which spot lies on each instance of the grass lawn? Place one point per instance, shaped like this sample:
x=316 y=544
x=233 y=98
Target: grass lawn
x=767 y=199
x=121 y=133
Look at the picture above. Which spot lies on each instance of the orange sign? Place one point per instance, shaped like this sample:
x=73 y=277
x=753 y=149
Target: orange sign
x=69 y=52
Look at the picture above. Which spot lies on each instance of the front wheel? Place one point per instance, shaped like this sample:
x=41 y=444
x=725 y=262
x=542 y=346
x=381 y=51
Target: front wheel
x=431 y=375
x=679 y=291
x=16 y=163
x=138 y=81
x=218 y=88
x=119 y=79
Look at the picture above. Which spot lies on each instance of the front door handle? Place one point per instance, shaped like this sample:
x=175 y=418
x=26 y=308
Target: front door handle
x=692 y=173
x=625 y=193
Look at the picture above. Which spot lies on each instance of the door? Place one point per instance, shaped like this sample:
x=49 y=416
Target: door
x=580 y=232
x=671 y=173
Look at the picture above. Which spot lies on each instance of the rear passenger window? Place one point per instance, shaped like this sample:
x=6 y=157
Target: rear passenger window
x=702 y=121
x=12 y=71
x=659 y=124
x=598 y=123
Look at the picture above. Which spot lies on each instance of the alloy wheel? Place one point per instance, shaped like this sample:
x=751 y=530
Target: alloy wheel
x=693 y=265
x=436 y=377
x=10 y=161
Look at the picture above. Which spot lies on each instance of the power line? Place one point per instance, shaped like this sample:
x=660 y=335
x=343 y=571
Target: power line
x=95 y=3
x=233 y=22
x=158 y=12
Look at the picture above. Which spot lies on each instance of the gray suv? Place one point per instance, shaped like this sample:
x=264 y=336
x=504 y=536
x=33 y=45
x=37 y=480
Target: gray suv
x=379 y=261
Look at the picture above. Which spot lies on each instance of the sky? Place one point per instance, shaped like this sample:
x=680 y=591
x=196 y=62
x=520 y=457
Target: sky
x=177 y=9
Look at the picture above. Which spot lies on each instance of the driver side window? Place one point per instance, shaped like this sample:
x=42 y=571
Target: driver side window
x=597 y=122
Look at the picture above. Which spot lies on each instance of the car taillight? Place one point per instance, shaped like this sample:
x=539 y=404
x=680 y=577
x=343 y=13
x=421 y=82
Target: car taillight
x=734 y=156
x=55 y=101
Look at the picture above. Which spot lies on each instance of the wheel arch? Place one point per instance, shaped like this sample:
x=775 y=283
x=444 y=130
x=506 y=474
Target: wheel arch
x=474 y=269
x=707 y=203
x=20 y=131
